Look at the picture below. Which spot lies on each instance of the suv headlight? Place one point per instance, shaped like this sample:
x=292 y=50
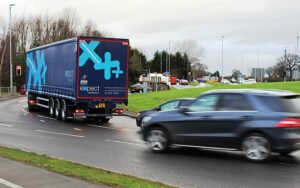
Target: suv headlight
x=145 y=120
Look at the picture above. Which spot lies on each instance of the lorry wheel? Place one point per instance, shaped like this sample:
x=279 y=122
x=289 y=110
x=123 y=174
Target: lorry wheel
x=64 y=111
x=57 y=109
x=105 y=119
x=31 y=108
x=51 y=108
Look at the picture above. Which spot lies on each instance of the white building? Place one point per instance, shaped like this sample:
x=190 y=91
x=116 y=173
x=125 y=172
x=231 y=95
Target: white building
x=258 y=74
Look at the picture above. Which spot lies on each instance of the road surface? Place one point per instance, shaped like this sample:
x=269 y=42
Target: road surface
x=117 y=146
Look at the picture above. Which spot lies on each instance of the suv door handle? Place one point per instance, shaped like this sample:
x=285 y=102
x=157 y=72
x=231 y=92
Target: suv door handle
x=247 y=117
x=206 y=117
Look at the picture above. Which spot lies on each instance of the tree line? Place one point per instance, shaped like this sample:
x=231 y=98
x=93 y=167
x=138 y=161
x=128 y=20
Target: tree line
x=285 y=68
x=186 y=59
x=33 y=31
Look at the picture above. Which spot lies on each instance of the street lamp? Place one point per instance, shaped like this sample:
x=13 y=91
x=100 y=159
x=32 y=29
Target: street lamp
x=222 y=56
x=169 y=58
x=10 y=56
x=297 y=53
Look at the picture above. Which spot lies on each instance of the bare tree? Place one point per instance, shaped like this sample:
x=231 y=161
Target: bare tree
x=90 y=29
x=3 y=51
x=192 y=49
x=288 y=63
x=271 y=72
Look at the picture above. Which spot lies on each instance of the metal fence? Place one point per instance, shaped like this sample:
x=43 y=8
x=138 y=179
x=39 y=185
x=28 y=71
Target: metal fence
x=5 y=91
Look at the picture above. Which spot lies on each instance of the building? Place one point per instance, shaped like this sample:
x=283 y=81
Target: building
x=258 y=74
x=295 y=75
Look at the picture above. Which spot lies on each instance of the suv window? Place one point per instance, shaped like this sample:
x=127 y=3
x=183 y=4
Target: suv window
x=169 y=105
x=284 y=104
x=292 y=104
x=205 y=103
x=234 y=102
x=272 y=103
x=186 y=102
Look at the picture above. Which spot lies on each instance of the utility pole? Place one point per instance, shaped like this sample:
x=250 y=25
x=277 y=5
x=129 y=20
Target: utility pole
x=222 y=57
x=297 y=45
x=169 y=58
x=284 y=65
x=10 y=53
x=161 y=54
x=166 y=60
x=258 y=66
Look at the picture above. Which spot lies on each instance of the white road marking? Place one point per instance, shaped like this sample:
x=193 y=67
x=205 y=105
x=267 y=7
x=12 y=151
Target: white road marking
x=46 y=117
x=5 y=125
x=122 y=142
x=63 y=134
x=111 y=128
x=22 y=100
x=139 y=141
x=25 y=114
x=42 y=121
x=204 y=147
x=76 y=129
x=9 y=184
x=99 y=126
x=23 y=110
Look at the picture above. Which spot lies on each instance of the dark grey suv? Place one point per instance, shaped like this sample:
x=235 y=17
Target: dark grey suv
x=257 y=122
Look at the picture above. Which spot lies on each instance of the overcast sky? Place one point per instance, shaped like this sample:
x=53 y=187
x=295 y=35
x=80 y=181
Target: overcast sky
x=256 y=32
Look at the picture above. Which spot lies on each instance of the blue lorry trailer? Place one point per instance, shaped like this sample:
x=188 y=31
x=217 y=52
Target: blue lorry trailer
x=83 y=77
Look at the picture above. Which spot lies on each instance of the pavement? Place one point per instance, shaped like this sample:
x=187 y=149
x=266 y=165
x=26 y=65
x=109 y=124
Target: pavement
x=9 y=97
x=19 y=175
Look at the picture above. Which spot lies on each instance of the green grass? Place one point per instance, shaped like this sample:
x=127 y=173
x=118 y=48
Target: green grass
x=139 y=102
x=84 y=172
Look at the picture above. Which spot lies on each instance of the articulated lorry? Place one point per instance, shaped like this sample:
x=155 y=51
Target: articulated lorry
x=83 y=77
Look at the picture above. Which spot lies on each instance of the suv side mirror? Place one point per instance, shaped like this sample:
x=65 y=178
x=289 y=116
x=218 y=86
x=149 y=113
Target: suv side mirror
x=183 y=109
x=157 y=108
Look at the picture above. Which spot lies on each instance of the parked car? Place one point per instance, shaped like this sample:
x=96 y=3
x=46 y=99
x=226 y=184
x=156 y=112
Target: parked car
x=170 y=105
x=257 y=122
x=224 y=81
x=251 y=81
x=136 y=88
x=22 y=90
x=183 y=82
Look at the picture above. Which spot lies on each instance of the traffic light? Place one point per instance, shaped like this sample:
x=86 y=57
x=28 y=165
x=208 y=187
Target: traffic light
x=18 y=70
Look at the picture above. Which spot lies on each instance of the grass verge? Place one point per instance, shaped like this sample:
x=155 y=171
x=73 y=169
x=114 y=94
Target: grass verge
x=140 y=102
x=84 y=172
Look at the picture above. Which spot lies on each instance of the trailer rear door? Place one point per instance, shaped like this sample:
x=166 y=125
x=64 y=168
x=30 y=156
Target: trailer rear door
x=102 y=70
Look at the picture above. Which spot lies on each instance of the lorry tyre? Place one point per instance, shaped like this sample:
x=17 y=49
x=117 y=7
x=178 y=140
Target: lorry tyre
x=64 y=111
x=51 y=108
x=57 y=109
x=31 y=108
x=105 y=119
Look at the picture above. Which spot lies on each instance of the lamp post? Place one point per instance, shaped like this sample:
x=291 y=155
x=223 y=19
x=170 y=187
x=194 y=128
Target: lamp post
x=10 y=54
x=169 y=58
x=297 y=53
x=222 y=56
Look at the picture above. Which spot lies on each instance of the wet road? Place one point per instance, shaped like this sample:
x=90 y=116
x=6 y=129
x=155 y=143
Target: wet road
x=117 y=146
